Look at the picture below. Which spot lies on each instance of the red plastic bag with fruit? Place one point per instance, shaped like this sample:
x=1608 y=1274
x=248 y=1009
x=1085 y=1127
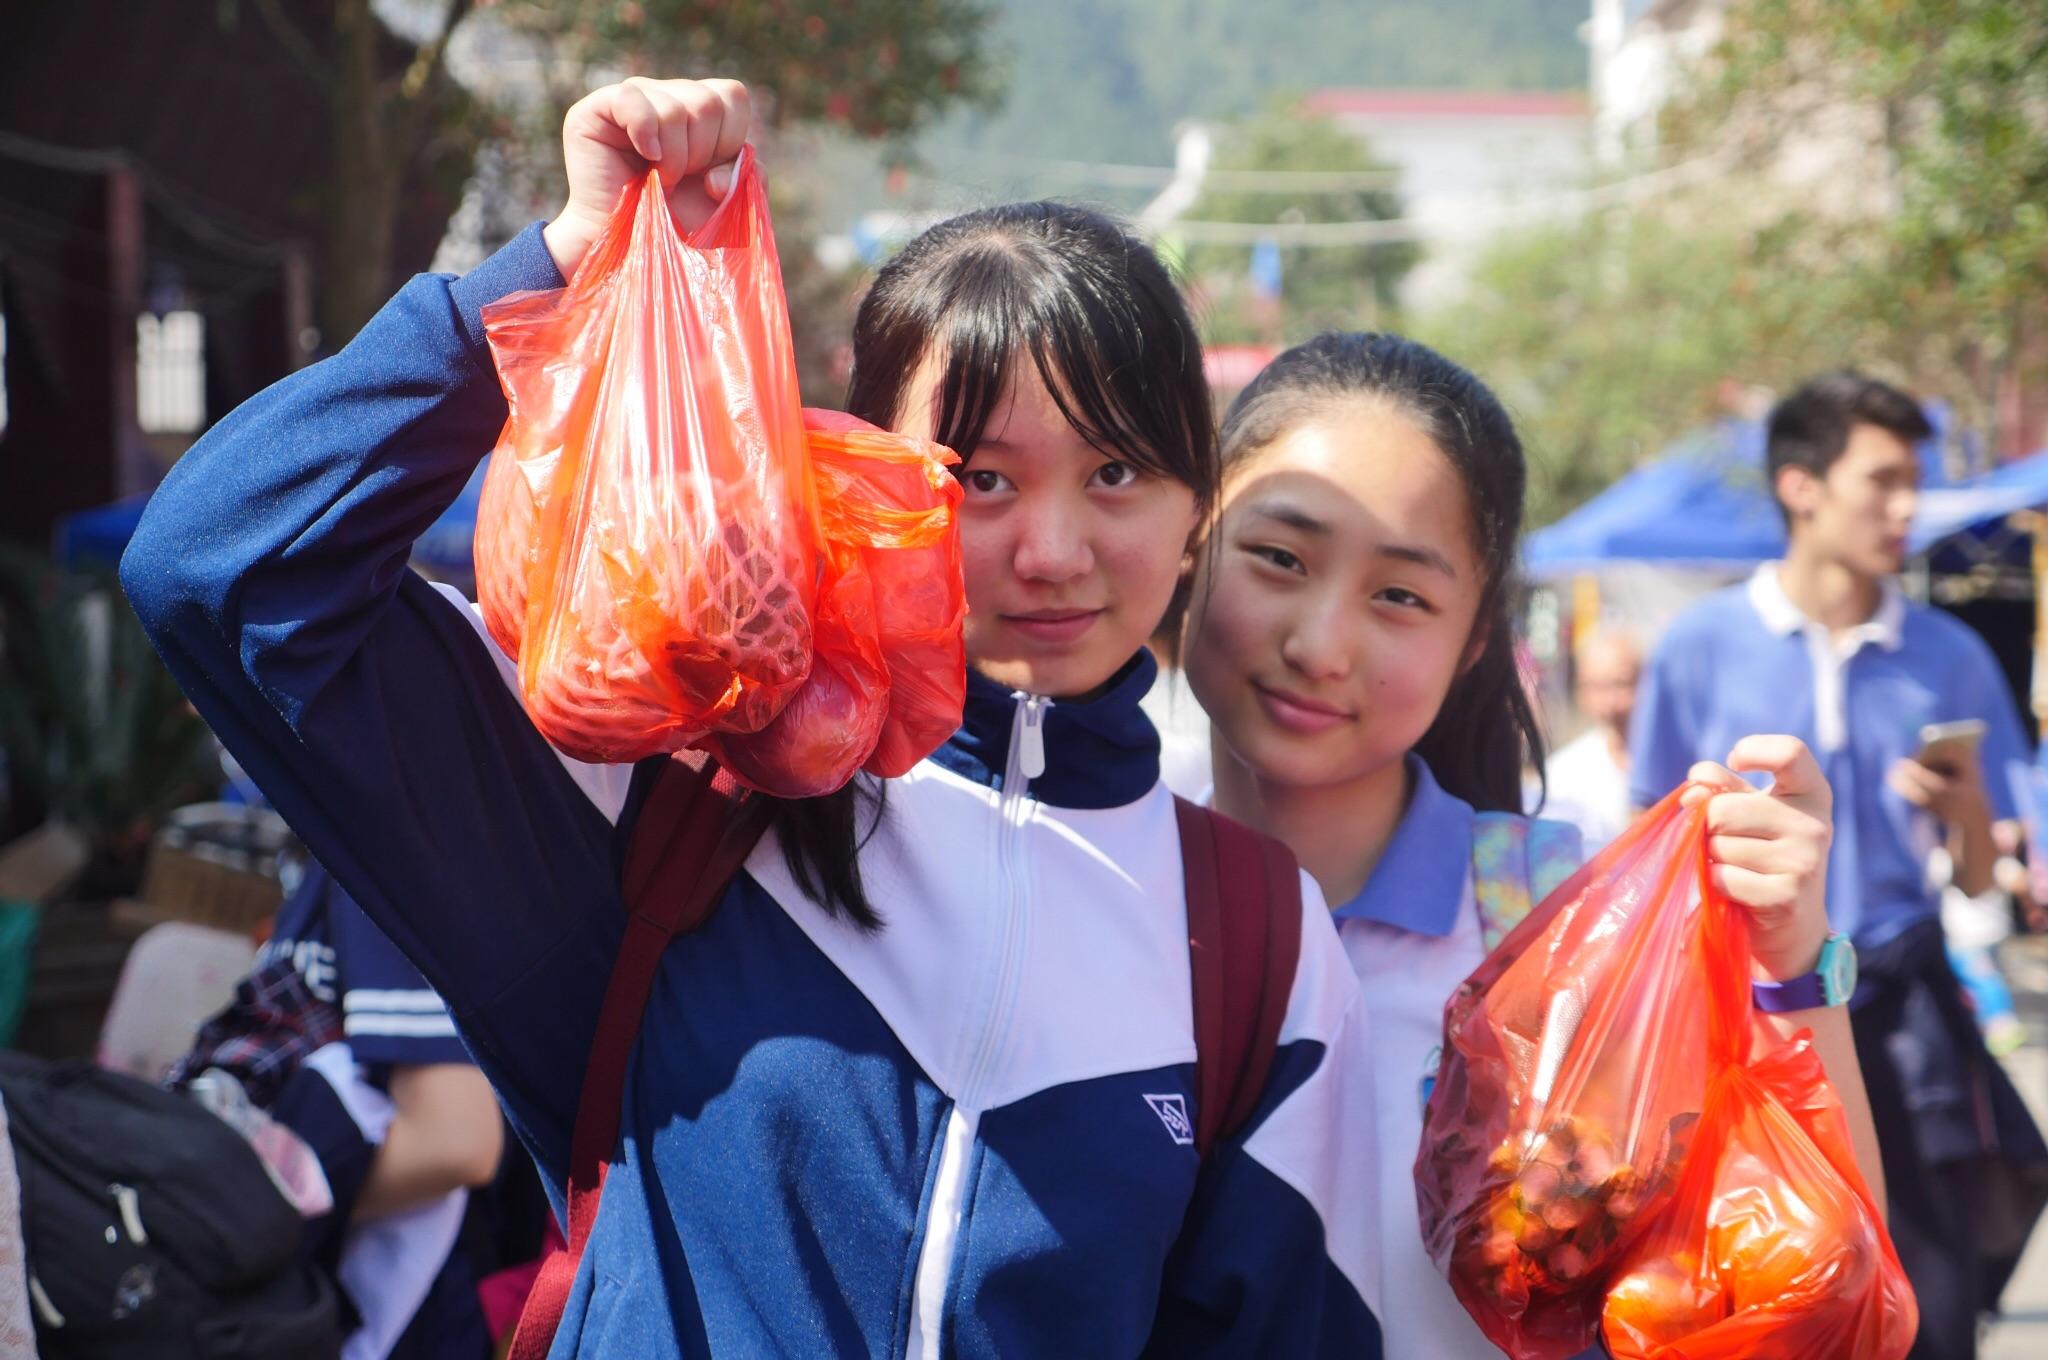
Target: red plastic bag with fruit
x=1598 y=1125
x=1772 y=1248
x=890 y=674
x=647 y=543
x=897 y=500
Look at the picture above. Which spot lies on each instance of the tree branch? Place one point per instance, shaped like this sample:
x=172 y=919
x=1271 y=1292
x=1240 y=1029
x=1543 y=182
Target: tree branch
x=421 y=80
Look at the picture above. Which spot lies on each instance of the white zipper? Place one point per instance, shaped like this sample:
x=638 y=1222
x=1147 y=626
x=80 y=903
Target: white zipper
x=942 y=1219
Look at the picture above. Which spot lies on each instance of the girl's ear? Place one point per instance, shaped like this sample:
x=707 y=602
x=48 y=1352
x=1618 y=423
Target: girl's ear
x=1475 y=649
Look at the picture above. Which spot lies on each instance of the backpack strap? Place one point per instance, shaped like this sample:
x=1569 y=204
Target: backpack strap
x=1244 y=941
x=1517 y=861
x=694 y=832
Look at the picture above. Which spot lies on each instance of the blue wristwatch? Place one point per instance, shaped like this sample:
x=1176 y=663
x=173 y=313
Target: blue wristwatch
x=1831 y=983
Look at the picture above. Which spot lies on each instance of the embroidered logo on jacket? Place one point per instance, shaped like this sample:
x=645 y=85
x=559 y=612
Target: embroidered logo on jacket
x=1173 y=1112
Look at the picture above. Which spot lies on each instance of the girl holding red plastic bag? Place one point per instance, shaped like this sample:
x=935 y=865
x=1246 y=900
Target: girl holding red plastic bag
x=1350 y=636
x=922 y=1084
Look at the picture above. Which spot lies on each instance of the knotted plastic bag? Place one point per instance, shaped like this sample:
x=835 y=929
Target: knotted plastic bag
x=1596 y=1086
x=890 y=674
x=897 y=499
x=647 y=542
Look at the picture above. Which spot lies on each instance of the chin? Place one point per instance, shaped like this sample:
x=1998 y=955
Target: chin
x=1065 y=677
x=1292 y=762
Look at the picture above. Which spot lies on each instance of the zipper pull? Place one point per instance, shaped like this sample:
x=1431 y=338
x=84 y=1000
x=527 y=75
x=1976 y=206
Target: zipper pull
x=1032 y=762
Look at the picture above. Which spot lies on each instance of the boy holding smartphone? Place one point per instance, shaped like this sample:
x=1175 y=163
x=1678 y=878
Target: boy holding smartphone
x=1825 y=646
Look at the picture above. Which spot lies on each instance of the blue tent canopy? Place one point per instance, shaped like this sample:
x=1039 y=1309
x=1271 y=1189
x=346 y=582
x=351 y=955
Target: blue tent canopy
x=1704 y=503
x=1950 y=510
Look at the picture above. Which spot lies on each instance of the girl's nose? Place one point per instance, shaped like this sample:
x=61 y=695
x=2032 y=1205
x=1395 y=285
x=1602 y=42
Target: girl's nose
x=1318 y=642
x=1053 y=543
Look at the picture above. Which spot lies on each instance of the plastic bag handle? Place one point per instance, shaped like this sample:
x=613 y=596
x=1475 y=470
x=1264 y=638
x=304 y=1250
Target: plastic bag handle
x=1724 y=954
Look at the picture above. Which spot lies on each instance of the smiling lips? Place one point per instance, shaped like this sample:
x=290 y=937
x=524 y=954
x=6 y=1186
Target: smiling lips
x=1053 y=626
x=1297 y=713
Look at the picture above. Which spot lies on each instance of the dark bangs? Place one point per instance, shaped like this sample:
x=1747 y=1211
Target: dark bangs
x=1090 y=304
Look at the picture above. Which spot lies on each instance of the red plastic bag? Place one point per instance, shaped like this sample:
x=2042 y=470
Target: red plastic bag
x=1598 y=1122
x=647 y=541
x=1772 y=1248
x=890 y=676
x=897 y=498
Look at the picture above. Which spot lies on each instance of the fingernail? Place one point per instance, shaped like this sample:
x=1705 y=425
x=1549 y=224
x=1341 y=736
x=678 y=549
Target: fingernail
x=654 y=148
x=719 y=181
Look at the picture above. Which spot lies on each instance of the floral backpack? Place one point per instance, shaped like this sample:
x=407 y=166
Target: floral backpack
x=1517 y=862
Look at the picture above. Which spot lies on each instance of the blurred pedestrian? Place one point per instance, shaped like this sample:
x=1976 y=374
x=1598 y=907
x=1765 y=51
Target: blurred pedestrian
x=1586 y=781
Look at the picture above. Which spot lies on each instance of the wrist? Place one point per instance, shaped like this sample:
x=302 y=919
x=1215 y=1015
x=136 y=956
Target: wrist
x=1797 y=960
x=1831 y=981
x=568 y=241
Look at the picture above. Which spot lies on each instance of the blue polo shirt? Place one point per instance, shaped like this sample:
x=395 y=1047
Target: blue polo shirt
x=1746 y=661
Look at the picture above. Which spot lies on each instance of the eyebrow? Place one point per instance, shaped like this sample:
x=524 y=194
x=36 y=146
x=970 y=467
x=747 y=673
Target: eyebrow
x=1294 y=517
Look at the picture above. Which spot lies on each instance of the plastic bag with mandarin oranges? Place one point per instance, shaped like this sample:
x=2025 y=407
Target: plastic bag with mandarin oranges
x=661 y=553
x=1603 y=1152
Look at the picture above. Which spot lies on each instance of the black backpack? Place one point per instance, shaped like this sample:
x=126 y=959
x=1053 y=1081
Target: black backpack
x=151 y=1227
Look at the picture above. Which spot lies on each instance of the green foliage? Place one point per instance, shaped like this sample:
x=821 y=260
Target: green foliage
x=877 y=68
x=1612 y=337
x=1923 y=257
x=1960 y=91
x=96 y=732
x=1107 y=79
x=1322 y=287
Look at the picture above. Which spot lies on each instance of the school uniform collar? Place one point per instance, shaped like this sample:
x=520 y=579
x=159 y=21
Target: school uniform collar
x=1886 y=628
x=1419 y=883
x=1099 y=754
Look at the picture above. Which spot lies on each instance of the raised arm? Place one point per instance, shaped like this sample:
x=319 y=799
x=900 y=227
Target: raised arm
x=270 y=571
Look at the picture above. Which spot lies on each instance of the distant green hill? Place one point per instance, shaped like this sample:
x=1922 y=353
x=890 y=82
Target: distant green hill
x=1108 y=79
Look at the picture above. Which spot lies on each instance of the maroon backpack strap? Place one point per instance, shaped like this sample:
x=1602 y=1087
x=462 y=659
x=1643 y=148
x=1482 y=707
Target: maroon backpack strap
x=1244 y=940
x=695 y=830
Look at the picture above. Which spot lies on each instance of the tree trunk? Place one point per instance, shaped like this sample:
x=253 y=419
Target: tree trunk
x=367 y=174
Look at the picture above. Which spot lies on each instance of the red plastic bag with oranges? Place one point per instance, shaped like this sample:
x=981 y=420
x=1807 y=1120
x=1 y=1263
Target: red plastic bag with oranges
x=662 y=553
x=890 y=675
x=1608 y=1156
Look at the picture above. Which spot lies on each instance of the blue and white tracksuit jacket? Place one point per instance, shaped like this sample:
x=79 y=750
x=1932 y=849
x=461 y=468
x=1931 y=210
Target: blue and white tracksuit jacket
x=963 y=1135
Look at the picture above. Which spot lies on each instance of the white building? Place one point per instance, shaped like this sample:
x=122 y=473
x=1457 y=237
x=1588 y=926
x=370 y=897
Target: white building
x=1640 y=51
x=1471 y=164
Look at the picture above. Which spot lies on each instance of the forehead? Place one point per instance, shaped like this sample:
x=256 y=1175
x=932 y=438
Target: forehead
x=1872 y=450
x=1368 y=472
x=1600 y=664
x=1024 y=417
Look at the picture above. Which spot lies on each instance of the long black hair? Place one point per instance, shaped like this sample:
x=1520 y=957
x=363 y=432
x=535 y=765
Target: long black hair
x=1105 y=327
x=1486 y=726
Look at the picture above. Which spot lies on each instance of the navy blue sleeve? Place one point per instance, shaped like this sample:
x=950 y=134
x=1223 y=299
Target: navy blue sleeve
x=1253 y=1271
x=270 y=572
x=388 y=1012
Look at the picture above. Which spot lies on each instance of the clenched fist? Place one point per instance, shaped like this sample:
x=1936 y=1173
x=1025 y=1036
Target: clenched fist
x=690 y=130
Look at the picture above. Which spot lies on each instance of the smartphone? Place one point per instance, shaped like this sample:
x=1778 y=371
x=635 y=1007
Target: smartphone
x=1944 y=746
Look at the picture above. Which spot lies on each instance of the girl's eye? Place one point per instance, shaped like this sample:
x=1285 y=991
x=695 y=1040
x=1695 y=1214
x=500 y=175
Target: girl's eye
x=983 y=482
x=1406 y=599
x=1279 y=557
x=1115 y=475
